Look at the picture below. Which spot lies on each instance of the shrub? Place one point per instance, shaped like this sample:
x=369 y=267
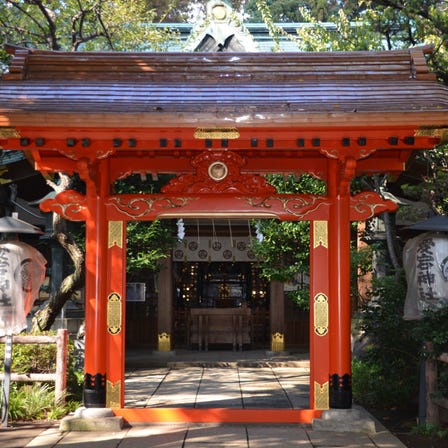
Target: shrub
x=378 y=387
x=34 y=402
x=41 y=358
x=386 y=375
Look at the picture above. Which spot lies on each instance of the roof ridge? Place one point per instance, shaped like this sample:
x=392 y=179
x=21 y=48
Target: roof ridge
x=32 y=64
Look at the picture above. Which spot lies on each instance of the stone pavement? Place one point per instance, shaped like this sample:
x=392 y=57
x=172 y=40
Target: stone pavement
x=207 y=379
x=204 y=435
x=219 y=387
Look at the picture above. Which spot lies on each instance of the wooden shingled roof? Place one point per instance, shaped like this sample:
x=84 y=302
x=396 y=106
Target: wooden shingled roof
x=183 y=89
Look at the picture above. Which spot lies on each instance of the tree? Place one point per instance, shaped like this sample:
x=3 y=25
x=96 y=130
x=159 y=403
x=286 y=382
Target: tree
x=78 y=25
x=82 y=25
x=292 y=11
x=361 y=25
x=431 y=186
x=408 y=23
x=345 y=34
x=44 y=318
x=148 y=242
x=284 y=248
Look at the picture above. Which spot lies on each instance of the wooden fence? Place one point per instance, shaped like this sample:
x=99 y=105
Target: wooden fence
x=433 y=402
x=59 y=377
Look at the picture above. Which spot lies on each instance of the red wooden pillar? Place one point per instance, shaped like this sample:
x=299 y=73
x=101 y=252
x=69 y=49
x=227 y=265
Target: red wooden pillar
x=340 y=174
x=116 y=313
x=95 y=286
x=319 y=316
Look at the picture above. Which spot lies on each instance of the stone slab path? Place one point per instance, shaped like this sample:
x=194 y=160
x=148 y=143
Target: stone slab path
x=215 y=387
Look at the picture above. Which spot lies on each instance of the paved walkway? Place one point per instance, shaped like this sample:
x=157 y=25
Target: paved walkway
x=198 y=436
x=219 y=379
x=219 y=387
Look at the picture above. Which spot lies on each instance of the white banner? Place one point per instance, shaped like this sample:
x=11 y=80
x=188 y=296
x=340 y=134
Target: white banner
x=214 y=249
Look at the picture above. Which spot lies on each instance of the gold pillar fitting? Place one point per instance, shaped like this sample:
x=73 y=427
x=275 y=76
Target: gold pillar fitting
x=320 y=231
x=321 y=314
x=113 y=394
x=321 y=396
x=115 y=237
x=278 y=342
x=114 y=313
x=164 y=342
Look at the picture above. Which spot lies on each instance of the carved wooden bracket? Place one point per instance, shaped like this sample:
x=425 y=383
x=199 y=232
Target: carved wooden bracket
x=368 y=204
x=90 y=153
x=219 y=172
x=69 y=204
x=347 y=153
x=348 y=170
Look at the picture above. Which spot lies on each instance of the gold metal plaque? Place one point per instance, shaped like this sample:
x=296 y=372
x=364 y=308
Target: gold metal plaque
x=321 y=396
x=113 y=394
x=9 y=133
x=441 y=133
x=321 y=314
x=277 y=342
x=320 y=232
x=164 y=342
x=114 y=313
x=216 y=133
x=115 y=234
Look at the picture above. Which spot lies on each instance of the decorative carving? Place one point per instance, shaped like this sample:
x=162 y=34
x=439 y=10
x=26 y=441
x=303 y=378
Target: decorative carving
x=216 y=133
x=344 y=153
x=368 y=204
x=136 y=207
x=85 y=153
x=114 y=313
x=277 y=342
x=115 y=234
x=299 y=206
x=69 y=204
x=287 y=206
x=320 y=232
x=113 y=394
x=321 y=395
x=164 y=342
x=321 y=314
x=204 y=181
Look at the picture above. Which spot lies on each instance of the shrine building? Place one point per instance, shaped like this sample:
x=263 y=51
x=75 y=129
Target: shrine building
x=218 y=120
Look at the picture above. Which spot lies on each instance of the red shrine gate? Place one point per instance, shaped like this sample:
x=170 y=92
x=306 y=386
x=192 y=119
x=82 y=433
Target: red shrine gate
x=219 y=122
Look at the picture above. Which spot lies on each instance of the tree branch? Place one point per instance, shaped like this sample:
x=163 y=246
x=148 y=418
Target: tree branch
x=29 y=17
x=50 y=22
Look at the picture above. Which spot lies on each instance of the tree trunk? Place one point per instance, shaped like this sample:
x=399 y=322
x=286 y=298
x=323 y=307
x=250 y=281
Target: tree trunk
x=392 y=249
x=44 y=318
